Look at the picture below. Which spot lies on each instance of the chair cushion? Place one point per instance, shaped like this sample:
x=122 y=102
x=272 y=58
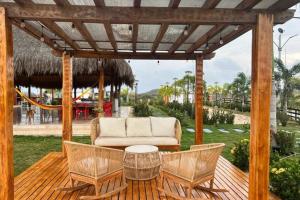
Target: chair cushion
x=163 y=126
x=128 y=141
x=112 y=127
x=138 y=127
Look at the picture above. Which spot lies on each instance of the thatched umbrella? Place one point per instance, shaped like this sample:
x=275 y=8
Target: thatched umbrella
x=35 y=65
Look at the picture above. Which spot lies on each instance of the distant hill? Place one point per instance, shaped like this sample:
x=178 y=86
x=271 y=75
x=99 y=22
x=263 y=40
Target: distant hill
x=151 y=94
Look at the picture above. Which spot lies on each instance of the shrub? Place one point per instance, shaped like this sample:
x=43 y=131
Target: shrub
x=206 y=116
x=286 y=141
x=282 y=117
x=229 y=116
x=285 y=179
x=214 y=117
x=240 y=153
x=222 y=117
x=177 y=114
x=142 y=110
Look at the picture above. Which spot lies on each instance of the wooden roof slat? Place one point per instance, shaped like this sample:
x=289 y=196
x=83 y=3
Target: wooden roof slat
x=209 y=4
x=159 y=36
x=229 y=37
x=203 y=39
x=110 y=35
x=86 y=34
x=137 y=3
x=58 y=31
x=174 y=3
x=282 y=5
x=247 y=4
x=99 y=3
x=164 y=27
x=180 y=40
x=79 y=26
x=244 y=5
x=35 y=33
x=143 y=15
x=51 y=25
x=62 y=2
x=135 y=27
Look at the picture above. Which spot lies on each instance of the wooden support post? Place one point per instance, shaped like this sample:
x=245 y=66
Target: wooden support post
x=260 y=107
x=67 y=100
x=199 y=101
x=101 y=88
x=6 y=108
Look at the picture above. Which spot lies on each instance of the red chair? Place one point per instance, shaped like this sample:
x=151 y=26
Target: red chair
x=82 y=108
x=107 y=109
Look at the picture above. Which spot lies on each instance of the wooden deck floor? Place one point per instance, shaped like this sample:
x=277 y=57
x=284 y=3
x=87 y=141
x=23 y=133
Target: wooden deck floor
x=40 y=180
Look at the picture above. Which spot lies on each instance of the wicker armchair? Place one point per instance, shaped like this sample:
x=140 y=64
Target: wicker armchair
x=191 y=168
x=93 y=165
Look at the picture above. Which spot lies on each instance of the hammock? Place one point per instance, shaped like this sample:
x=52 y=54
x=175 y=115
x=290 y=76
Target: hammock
x=48 y=107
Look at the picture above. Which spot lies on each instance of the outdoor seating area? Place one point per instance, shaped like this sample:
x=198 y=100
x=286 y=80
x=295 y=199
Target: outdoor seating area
x=51 y=172
x=72 y=44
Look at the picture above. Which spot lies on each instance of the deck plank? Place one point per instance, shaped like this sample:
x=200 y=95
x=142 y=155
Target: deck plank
x=40 y=180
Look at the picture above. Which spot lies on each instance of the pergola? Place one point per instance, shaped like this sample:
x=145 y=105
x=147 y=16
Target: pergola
x=142 y=29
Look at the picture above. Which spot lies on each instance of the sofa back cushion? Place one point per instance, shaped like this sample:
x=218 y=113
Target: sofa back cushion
x=112 y=127
x=163 y=126
x=138 y=127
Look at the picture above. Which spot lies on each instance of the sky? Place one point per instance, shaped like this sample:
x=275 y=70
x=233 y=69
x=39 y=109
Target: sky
x=232 y=58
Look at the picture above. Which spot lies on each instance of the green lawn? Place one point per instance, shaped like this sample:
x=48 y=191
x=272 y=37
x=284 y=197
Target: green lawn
x=29 y=149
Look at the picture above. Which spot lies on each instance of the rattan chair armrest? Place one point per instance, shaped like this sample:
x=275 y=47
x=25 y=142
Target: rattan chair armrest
x=95 y=130
x=178 y=131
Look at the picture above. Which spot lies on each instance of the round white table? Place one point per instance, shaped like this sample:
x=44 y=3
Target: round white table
x=141 y=162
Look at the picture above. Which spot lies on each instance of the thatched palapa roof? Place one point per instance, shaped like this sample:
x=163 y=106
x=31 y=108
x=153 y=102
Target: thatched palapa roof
x=35 y=65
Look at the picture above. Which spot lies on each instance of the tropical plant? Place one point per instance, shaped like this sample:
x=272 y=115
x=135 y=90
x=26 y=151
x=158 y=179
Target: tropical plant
x=241 y=88
x=240 y=153
x=286 y=141
x=285 y=178
x=165 y=92
x=285 y=75
x=142 y=109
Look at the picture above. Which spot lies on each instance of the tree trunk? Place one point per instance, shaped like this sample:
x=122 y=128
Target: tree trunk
x=273 y=120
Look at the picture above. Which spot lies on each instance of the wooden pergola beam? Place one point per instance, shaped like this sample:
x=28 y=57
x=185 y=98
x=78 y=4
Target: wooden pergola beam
x=261 y=87
x=35 y=33
x=211 y=4
x=110 y=35
x=50 y=24
x=162 y=30
x=203 y=39
x=228 y=38
x=131 y=55
x=199 y=101
x=6 y=107
x=180 y=40
x=244 y=5
x=146 y=15
x=86 y=34
x=79 y=26
x=67 y=110
x=135 y=27
x=99 y=3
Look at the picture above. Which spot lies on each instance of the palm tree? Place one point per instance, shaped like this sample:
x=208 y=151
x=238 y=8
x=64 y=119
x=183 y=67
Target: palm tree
x=285 y=75
x=241 y=87
x=165 y=92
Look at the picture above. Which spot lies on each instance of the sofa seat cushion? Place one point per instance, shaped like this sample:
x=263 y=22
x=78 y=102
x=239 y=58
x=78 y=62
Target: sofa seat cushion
x=138 y=127
x=112 y=127
x=163 y=126
x=128 y=141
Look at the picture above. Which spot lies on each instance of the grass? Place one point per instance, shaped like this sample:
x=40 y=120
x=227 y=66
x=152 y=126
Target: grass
x=30 y=149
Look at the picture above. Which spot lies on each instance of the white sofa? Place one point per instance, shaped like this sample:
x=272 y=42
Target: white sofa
x=164 y=132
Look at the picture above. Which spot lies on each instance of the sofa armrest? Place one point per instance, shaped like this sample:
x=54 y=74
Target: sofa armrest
x=95 y=130
x=178 y=131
